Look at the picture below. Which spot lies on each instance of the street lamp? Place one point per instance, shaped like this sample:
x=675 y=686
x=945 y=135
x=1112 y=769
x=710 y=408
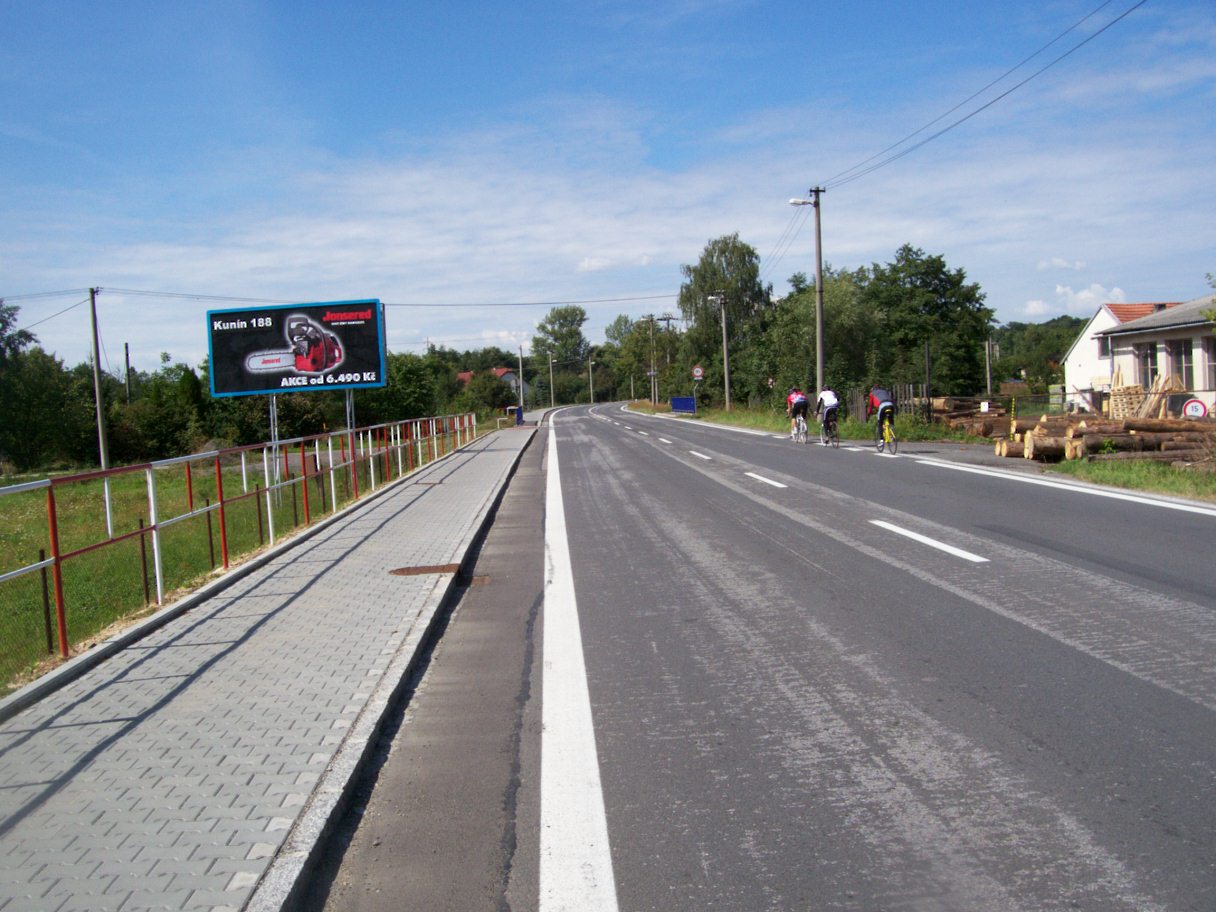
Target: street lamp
x=720 y=300
x=814 y=201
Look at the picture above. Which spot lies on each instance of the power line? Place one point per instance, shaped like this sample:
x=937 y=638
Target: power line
x=71 y=292
x=661 y=297
x=859 y=171
x=54 y=315
x=244 y=300
x=974 y=95
x=792 y=229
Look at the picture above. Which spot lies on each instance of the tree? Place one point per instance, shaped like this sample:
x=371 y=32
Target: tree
x=411 y=392
x=1036 y=350
x=560 y=335
x=728 y=269
x=849 y=333
x=919 y=301
x=12 y=340
x=48 y=418
x=485 y=393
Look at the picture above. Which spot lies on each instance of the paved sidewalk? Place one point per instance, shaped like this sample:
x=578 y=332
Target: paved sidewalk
x=199 y=766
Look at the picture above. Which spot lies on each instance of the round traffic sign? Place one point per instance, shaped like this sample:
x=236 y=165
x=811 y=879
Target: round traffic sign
x=697 y=372
x=1194 y=408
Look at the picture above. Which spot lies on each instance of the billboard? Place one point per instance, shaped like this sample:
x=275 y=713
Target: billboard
x=294 y=347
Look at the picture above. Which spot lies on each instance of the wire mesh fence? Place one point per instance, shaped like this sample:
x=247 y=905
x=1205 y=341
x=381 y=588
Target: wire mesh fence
x=81 y=553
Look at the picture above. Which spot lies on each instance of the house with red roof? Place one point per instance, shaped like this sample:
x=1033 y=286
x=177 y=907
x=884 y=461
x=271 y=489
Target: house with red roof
x=1135 y=343
x=506 y=374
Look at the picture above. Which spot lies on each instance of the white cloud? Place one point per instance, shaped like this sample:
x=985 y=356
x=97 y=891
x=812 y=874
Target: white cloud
x=508 y=213
x=1082 y=302
x=1060 y=263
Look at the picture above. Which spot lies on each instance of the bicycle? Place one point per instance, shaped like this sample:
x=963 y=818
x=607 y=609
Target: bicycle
x=800 y=430
x=829 y=432
x=884 y=434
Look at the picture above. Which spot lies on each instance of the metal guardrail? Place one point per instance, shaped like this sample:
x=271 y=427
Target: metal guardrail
x=122 y=540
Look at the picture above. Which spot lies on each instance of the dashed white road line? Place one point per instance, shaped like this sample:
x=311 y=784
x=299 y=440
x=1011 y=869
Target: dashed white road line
x=767 y=481
x=931 y=542
x=643 y=433
x=701 y=456
x=664 y=440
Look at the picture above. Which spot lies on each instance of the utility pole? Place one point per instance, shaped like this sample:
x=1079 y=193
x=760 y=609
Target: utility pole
x=654 y=377
x=126 y=356
x=103 y=449
x=988 y=363
x=667 y=320
x=720 y=300
x=591 y=377
x=814 y=201
x=552 y=398
x=520 y=417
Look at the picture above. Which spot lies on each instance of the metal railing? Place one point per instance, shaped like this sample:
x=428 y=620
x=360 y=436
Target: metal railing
x=118 y=543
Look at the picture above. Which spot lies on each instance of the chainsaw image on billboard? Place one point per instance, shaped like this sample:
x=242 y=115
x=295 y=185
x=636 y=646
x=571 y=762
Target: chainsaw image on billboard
x=336 y=345
x=312 y=350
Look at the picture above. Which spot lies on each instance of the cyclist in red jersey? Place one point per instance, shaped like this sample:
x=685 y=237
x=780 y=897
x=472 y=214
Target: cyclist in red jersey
x=879 y=401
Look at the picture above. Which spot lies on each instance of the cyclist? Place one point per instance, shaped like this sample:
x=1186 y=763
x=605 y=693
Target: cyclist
x=826 y=406
x=796 y=404
x=880 y=401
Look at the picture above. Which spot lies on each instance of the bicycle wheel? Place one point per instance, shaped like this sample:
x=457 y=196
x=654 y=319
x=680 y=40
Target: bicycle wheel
x=825 y=434
x=801 y=429
x=892 y=439
x=879 y=435
x=834 y=434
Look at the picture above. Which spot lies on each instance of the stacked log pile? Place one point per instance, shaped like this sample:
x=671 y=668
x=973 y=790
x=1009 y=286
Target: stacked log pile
x=1084 y=436
x=968 y=415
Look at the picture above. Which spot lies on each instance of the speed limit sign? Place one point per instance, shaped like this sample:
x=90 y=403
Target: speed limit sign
x=1194 y=408
x=697 y=372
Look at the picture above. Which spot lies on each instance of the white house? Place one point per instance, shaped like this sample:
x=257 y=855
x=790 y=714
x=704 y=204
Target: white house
x=1175 y=341
x=1088 y=368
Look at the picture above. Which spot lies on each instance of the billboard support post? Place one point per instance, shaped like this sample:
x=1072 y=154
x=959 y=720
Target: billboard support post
x=274 y=438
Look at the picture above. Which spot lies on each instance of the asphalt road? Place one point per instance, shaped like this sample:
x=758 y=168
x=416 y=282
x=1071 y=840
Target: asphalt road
x=829 y=680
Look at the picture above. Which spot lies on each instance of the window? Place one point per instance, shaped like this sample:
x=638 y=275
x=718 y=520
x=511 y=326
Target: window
x=1146 y=363
x=1209 y=347
x=1103 y=346
x=1181 y=362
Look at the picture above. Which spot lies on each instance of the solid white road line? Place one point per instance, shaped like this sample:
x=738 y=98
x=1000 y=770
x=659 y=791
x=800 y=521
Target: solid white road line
x=931 y=542
x=701 y=456
x=768 y=481
x=1075 y=489
x=575 y=857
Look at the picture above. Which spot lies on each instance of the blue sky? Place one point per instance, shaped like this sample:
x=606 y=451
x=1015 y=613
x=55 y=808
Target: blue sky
x=451 y=158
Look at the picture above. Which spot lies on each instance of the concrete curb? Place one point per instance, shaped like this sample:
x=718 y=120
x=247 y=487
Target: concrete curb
x=76 y=667
x=280 y=886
